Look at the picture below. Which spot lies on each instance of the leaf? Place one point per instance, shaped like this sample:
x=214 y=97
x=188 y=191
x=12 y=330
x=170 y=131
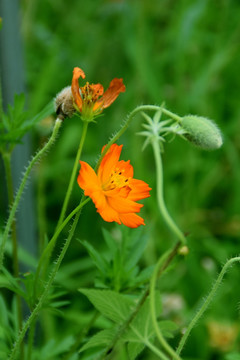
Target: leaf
x=52 y=348
x=9 y=282
x=98 y=260
x=137 y=248
x=110 y=241
x=167 y=328
x=45 y=112
x=102 y=338
x=16 y=122
x=114 y=306
x=142 y=326
x=134 y=349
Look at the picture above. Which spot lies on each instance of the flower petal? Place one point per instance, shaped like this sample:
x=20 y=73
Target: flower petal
x=98 y=198
x=115 y=88
x=123 y=205
x=87 y=179
x=77 y=73
x=140 y=190
x=109 y=214
x=126 y=168
x=131 y=220
x=109 y=162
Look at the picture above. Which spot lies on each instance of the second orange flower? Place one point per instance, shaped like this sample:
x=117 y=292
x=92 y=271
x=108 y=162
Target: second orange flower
x=90 y=99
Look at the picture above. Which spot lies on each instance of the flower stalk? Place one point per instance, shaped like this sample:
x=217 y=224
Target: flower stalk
x=36 y=158
x=206 y=303
x=158 y=332
x=73 y=175
x=161 y=203
x=43 y=296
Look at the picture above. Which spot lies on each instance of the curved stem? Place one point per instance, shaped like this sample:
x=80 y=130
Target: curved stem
x=46 y=290
x=73 y=175
x=206 y=303
x=172 y=115
x=168 y=219
x=125 y=126
x=22 y=186
x=160 y=337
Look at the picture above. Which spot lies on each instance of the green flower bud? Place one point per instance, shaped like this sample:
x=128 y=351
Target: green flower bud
x=202 y=132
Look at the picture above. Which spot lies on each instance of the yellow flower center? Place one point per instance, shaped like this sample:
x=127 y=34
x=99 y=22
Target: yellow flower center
x=116 y=180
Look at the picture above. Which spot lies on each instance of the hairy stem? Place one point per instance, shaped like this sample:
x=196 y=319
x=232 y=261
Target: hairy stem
x=158 y=332
x=206 y=303
x=73 y=175
x=47 y=288
x=124 y=127
x=162 y=207
x=22 y=186
x=44 y=259
x=8 y=172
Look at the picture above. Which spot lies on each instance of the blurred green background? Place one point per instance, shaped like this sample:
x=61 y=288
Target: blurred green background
x=186 y=53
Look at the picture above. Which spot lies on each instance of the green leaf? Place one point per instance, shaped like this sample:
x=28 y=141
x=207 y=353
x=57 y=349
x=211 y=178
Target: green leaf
x=110 y=241
x=137 y=248
x=167 y=328
x=98 y=260
x=53 y=348
x=9 y=282
x=102 y=338
x=114 y=306
x=16 y=122
x=142 y=326
x=16 y=113
x=134 y=349
x=45 y=112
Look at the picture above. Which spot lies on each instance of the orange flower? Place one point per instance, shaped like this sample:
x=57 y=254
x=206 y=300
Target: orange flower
x=90 y=100
x=113 y=189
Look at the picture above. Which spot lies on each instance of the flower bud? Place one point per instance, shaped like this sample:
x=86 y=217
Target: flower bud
x=64 y=103
x=202 y=132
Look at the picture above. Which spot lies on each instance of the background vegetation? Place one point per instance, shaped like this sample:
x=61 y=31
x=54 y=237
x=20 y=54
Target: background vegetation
x=187 y=54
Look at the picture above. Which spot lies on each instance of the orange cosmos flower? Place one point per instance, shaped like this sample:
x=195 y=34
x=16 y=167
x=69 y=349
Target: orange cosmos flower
x=113 y=189
x=90 y=100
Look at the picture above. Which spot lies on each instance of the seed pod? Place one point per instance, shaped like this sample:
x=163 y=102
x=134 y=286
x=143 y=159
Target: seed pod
x=64 y=103
x=202 y=132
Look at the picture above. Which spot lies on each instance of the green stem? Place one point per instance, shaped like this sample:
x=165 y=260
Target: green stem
x=169 y=221
x=125 y=126
x=44 y=259
x=73 y=175
x=172 y=115
x=8 y=171
x=161 y=339
x=206 y=303
x=31 y=339
x=22 y=186
x=128 y=121
x=47 y=288
x=170 y=255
